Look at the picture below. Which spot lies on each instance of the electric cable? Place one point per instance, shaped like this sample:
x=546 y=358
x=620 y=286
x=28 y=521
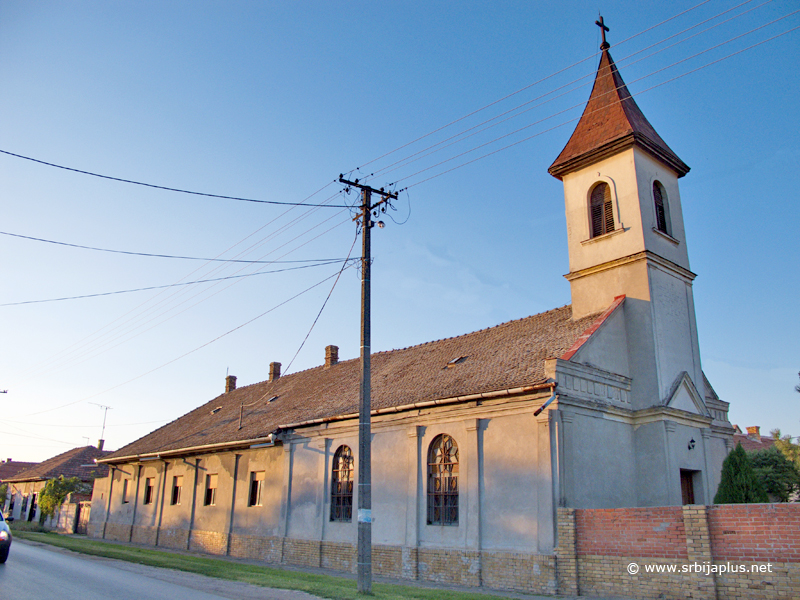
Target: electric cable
x=219 y=337
x=169 y=285
x=162 y=187
x=225 y=260
x=575 y=119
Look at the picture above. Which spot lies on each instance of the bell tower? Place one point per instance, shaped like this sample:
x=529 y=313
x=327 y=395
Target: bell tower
x=626 y=235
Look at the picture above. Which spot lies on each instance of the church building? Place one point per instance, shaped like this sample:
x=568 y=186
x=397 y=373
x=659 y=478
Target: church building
x=477 y=440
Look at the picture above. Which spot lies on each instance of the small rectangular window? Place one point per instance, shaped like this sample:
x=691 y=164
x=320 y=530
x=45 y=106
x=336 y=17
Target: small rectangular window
x=148 y=490
x=177 y=484
x=125 y=491
x=256 y=487
x=211 y=490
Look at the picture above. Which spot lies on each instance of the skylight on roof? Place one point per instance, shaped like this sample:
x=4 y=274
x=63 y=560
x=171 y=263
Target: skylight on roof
x=455 y=361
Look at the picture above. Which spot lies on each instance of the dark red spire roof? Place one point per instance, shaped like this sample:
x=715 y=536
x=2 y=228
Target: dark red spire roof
x=610 y=123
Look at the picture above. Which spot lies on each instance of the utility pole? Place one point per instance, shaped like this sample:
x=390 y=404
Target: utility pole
x=364 y=560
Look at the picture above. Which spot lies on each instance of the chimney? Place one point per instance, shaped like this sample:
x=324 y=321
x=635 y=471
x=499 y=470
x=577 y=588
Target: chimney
x=331 y=356
x=230 y=383
x=754 y=432
x=100 y=444
x=274 y=371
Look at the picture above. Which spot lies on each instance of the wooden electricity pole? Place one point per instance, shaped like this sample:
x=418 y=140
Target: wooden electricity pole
x=364 y=400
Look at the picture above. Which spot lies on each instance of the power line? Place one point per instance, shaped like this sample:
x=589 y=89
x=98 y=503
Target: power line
x=460 y=136
x=219 y=337
x=522 y=89
x=575 y=119
x=169 y=189
x=582 y=103
x=225 y=260
x=158 y=287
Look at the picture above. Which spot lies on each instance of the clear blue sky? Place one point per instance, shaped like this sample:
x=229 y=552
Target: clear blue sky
x=272 y=100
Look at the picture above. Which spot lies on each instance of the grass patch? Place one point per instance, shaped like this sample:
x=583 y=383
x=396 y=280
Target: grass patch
x=17 y=526
x=325 y=586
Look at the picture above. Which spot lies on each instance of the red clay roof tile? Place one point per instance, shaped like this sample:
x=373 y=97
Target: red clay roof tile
x=611 y=122
x=507 y=356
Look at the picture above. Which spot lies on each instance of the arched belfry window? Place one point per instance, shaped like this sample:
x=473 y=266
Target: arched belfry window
x=342 y=485
x=601 y=210
x=443 y=481
x=662 y=209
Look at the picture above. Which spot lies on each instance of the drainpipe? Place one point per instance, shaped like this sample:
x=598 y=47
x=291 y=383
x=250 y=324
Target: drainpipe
x=161 y=507
x=111 y=472
x=233 y=501
x=135 y=500
x=194 y=503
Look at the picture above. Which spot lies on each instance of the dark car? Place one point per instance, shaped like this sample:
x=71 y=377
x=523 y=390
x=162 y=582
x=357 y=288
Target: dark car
x=5 y=539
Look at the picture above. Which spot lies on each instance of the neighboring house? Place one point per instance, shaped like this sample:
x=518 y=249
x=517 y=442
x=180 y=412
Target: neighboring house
x=9 y=468
x=477 y=440
x=25 y=487
x=753 y=440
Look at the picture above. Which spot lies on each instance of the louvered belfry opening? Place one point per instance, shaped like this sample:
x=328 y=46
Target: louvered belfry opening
x=601 y=210
x=661 y=207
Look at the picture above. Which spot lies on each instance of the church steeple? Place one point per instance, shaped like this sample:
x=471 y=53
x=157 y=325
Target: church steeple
x=611 y=122
x=626 y=237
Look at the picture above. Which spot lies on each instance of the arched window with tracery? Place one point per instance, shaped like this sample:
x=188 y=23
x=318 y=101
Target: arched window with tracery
x=662 y=210
x=443 y=481
x=601 y=210
x=342 y=485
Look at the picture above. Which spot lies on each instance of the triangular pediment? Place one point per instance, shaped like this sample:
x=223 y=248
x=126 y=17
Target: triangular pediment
x=684 y=396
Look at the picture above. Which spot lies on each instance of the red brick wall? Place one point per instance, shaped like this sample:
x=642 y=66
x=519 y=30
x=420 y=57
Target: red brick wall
x=758 y=532
x=646 y=532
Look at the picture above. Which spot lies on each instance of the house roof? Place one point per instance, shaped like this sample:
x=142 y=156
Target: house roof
x=752 y=440
x=611 y=122
x=78 y=462
x=503 y=357
x=9 y=468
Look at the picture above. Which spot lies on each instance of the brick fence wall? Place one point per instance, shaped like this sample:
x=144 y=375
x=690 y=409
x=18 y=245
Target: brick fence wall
x=717 y=552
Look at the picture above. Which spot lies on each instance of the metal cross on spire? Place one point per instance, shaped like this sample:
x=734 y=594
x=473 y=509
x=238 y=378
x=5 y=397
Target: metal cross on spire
x=605 y=45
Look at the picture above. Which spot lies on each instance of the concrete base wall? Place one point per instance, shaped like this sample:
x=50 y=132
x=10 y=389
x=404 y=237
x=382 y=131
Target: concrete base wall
x=518 y=571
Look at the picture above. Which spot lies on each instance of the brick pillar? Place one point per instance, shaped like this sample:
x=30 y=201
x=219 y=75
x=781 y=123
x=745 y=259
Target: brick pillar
x=566 y=552
x=698 y=548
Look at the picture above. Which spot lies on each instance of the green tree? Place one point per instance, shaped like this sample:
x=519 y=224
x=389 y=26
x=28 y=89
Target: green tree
x=777 y=474
x=739 y=483
x=3 y=494
x=787 y=448
x=55 y=491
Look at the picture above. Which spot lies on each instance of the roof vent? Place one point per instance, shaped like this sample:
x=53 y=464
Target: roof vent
x=230 y=383
x=331 y=356
x=274 y=371
x=272 y=399
x=216 y=410
x=455 y=361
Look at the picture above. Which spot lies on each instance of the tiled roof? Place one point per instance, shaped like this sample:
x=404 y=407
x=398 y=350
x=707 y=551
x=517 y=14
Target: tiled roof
x=9 y=468
x=751 y=443
x=610 y=123
x=504 y=357
x=78 y=462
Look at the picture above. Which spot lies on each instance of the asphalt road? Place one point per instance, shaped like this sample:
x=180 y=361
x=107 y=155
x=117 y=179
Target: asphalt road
x=38 y=572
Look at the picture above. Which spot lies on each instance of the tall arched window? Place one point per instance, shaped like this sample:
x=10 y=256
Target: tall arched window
x=342 y=485
x=601 y=210
x=443 y=481
x=662 y=210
